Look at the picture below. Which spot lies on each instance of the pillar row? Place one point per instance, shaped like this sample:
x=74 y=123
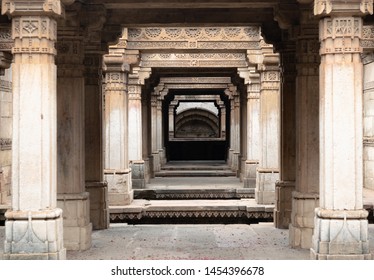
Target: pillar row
x=116 y=169
x=340 y=223
x=34 y=224
x=234 y=149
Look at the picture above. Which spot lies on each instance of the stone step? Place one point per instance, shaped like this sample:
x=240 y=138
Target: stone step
x=195 y=167
x=191 y=211
x=195 y=173
x=194 y=193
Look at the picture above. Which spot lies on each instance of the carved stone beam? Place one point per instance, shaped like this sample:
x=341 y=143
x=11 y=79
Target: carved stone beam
x=348 y=8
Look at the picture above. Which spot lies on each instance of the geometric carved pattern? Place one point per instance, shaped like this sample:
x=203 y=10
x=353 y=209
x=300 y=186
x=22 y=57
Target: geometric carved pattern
x=5 y=144
x=122 y=217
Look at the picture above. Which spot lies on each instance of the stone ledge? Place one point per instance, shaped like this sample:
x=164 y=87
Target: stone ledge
x=246 y=211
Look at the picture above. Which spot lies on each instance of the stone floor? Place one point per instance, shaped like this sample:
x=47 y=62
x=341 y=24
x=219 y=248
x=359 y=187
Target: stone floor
x=191 y=242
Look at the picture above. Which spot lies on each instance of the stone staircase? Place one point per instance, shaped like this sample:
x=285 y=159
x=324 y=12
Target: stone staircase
x=195 y=169
x=193 y=192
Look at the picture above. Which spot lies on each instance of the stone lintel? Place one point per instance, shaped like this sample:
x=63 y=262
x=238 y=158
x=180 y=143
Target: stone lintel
x=32 y=8
x=343 y=8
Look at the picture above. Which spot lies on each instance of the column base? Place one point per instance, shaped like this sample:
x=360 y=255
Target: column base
x=99 y=205
x=147 y=171
x=340 y=235
x=229 y=157
x=34 y=235
x=265 y=185
x=249 y=179
x=76 y=215
x=162 y=154
x=283 y=203
x=302 y=219
x=156 y=164
x=119 y=187
x=137 y=174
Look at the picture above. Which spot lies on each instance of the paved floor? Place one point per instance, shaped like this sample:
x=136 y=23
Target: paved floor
x=191 y=242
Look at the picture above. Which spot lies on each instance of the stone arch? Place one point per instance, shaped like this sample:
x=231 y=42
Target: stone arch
x=196 y=123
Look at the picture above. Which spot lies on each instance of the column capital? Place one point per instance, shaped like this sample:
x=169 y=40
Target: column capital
x=115 y=63
x=343 y=8
x=34 y=8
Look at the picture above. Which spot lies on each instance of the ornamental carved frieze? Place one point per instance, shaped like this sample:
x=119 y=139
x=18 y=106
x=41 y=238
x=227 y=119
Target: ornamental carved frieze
x=191 y=38
x=196 y=80
x=194 y=60
x=367 y=41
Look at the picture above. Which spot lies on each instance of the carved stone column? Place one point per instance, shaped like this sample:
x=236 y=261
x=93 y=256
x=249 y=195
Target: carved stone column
x=368 y=61
x=5 y=123
x=341 y=225
x=286 y=184
x=268 y=170
x=135 y=136
x=252 y=80
x=160 y=130
x=146 y=135
x=305 y=196
x=171 y=114
x=234 y=150
x=94 y=147
x=33 y=225
x=117 y=172
x=156 y=165
x=222 y=116
x=72 y=197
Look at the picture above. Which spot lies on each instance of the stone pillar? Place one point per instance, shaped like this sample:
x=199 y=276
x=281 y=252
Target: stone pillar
x=222 y=115
x=171 y=114
x=33 y=227
x=116 y=169
x=146 y=137
x=135 y=135
x=5 y=130
x=95 y=185
x=156 y=165
x=369 y=120
x=160 y=131
x=268 y=169
x=341 y=225
x=287 y=175
x=234 y=150
x=72 y=197
x=305 y=196
x=94 y=147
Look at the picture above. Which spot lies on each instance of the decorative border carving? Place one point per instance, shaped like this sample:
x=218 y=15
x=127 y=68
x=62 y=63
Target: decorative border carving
x=5 y=144
x=121 y=217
